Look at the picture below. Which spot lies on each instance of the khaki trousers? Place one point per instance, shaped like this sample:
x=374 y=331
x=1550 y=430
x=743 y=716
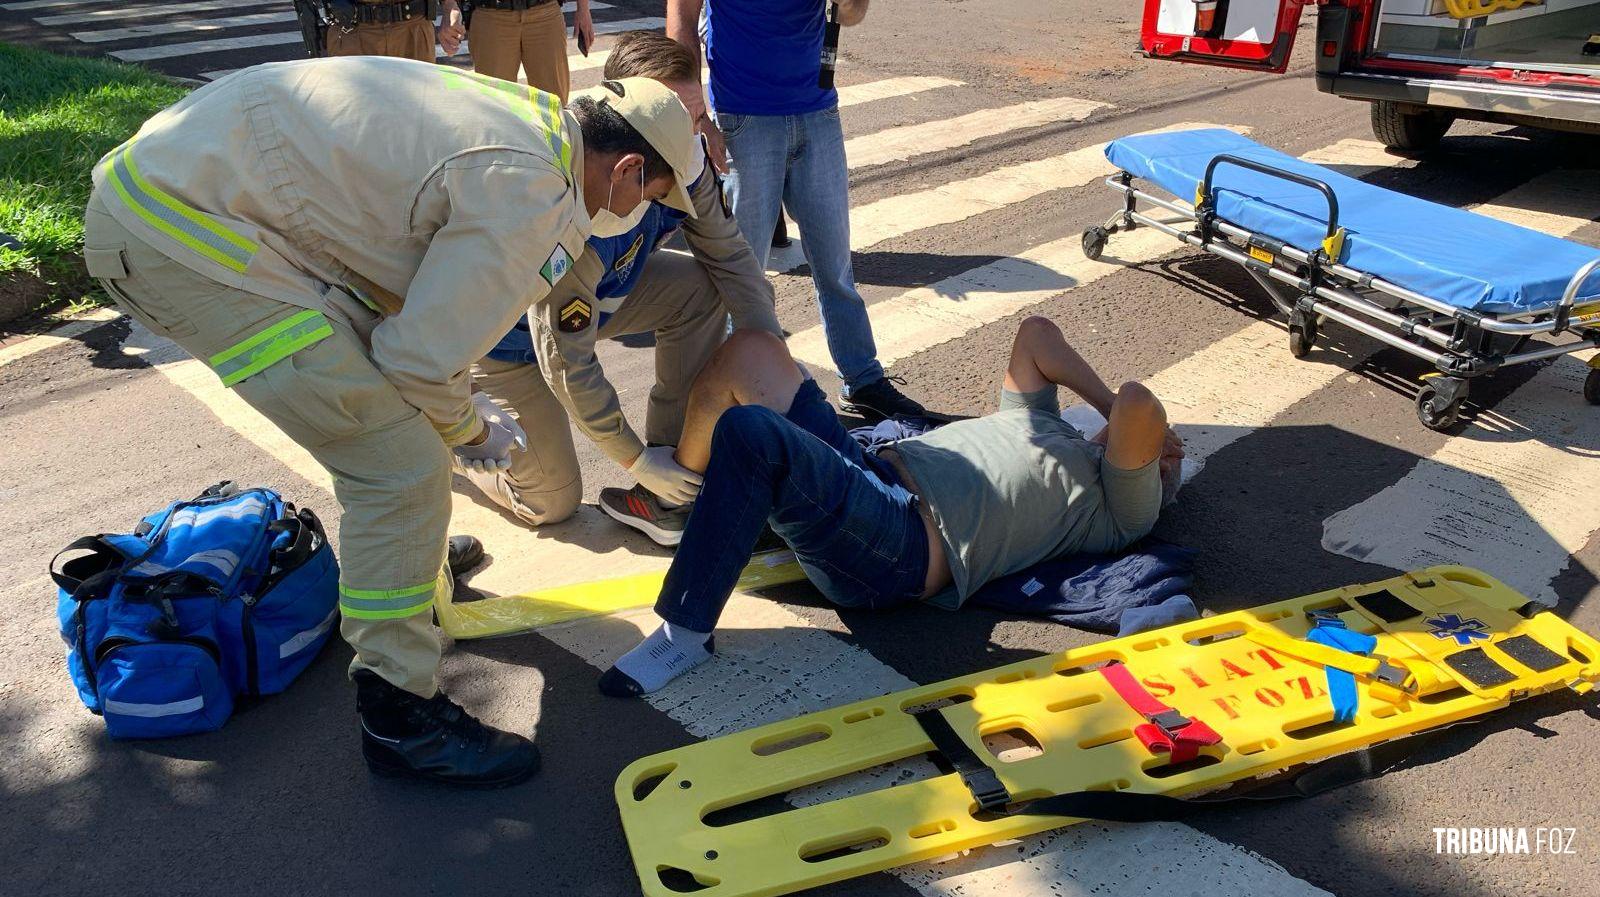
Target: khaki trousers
x=675 y=300
x=405 y=40
x=536 y=39
x=391 y=472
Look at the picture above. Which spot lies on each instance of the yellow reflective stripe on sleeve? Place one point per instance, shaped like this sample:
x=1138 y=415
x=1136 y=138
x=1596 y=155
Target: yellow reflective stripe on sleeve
x=386 y=604
x=558 y=143
x=452 y=432
x=178 y=221
x=270 y=346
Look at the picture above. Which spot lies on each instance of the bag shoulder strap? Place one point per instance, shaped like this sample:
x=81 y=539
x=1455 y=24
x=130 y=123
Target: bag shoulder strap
x=87 y=576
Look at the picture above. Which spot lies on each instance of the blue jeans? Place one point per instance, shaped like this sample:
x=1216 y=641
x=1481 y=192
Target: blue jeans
x=798 y=161
x=855 y=529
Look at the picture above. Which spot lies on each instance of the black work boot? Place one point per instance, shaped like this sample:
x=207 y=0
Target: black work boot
x=879 y=400
x=465 y=553
x=403 y=735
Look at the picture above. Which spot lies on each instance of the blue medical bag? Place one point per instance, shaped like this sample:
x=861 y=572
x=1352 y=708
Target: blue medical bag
x=230 y=594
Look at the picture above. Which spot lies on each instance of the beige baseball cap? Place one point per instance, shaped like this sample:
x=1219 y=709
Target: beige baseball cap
x=658 y=115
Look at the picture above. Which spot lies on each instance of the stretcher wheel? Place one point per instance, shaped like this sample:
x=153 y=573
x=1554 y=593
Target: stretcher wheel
x=1591 y=386
x=1435 y=411
x=1302 y=337
x=1094 y=242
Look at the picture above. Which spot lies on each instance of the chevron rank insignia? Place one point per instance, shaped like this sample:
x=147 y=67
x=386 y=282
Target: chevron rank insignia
x=575 y=316
x=556 y=265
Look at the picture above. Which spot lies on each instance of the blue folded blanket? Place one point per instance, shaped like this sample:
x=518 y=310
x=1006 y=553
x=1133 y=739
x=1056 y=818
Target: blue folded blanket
x=1095 y=591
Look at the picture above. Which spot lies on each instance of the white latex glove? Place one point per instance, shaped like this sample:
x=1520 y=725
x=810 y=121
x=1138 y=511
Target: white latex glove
x=502 y=436
x=656 y=470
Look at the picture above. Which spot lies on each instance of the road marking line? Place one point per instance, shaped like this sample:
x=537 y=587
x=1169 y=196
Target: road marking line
x=159 y=28
x=119 y=13
x=1510 y=494
x=195 y=48
x=1356 y=157
x=67 y=332
x=644 y=23
x=575 y=62
x=909 y=141
x=888 y=88
x=896 y=216
x=41 y=4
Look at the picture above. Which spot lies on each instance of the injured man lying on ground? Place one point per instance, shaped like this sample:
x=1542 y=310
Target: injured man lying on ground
x=929 y=518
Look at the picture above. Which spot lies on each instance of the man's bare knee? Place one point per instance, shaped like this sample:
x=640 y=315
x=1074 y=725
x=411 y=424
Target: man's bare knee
x=1037 y=327
x=1136 y=403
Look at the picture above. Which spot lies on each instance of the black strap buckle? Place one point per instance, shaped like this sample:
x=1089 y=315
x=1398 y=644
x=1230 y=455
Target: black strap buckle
x=1170 y=722
x=987 y=789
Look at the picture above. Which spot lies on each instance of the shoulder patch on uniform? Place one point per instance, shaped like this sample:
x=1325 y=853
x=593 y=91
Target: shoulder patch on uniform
x=558 y=264
x=576 y=315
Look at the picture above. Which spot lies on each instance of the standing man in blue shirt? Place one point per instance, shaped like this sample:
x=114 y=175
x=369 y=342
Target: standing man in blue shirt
x=786 y=149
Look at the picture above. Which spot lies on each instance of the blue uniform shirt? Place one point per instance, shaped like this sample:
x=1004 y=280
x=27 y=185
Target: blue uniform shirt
x=623 y=258
x=765 y=56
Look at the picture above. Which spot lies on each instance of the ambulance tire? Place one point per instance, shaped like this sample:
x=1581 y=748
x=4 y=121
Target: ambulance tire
x=1591 y=386
x=1406 y=128
x=1094 y=242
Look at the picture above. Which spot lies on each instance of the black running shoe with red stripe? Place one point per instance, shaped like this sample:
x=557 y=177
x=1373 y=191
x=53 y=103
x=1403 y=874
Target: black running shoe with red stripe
x=639 y=508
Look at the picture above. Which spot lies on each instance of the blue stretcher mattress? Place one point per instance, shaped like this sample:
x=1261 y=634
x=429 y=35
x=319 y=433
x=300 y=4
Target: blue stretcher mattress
x=1468 y=260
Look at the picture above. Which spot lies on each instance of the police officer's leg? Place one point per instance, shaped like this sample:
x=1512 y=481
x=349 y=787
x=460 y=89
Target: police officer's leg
x=495 y=41
x=412 y=40
x=674 y=299
x=544 y=484
x=544 y=49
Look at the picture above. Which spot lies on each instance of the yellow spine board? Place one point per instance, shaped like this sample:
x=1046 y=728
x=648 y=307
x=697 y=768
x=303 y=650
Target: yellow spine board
x=508 y=614
x=1272 y=711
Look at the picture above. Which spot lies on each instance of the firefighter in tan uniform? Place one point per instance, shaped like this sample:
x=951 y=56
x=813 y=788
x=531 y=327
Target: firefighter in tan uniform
x=343 y=281
x=400 y=28
x=546 y=367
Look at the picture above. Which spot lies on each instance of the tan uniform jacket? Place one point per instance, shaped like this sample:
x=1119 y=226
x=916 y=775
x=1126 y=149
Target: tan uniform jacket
x=446 y=200
x=566 y=353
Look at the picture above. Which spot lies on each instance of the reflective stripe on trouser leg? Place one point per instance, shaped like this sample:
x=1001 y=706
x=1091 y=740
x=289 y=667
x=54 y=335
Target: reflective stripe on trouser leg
x=390 y=604
x=270 y=346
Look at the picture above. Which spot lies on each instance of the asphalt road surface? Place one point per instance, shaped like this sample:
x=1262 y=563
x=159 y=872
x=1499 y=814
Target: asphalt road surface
x=975 y=130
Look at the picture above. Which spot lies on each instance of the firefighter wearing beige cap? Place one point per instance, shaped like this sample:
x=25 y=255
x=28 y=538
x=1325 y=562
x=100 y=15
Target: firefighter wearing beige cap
x=342 y=283
x=547 y=372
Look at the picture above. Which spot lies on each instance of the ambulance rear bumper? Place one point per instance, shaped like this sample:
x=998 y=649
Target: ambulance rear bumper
x=1565 y=109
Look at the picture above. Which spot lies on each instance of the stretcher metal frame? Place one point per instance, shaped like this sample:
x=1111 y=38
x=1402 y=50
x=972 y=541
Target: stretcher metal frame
x=1312 y=287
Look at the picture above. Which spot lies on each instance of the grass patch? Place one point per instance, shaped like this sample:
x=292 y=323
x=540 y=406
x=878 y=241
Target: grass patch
x=58 y=116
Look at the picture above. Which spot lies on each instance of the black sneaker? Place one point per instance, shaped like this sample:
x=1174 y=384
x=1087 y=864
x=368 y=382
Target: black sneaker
x=879 y=400
x=780 y=233
x=639 y=508
x=465 y=553
x=405 y=736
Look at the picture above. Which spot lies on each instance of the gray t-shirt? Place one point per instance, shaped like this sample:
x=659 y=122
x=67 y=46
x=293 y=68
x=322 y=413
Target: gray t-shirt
x=1021 y=486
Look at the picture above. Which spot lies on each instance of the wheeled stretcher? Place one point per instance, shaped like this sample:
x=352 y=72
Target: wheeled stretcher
x=1463 y=291
x=1131 y=729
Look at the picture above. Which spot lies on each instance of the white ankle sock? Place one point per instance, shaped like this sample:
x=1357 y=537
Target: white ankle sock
x=664 y=655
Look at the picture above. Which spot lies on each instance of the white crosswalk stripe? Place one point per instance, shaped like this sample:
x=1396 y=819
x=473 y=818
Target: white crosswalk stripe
x=888 y=88
x=909 y=141
x=1511 y=495
x=195 y=48
x=156 y=29
x=122 y=13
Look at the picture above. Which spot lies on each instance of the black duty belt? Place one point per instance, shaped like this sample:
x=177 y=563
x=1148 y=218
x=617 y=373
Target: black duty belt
x=348 y=14
x=517 y=5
